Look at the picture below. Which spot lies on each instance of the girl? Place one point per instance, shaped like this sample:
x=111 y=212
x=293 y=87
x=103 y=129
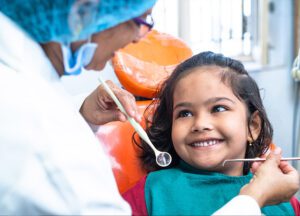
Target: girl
x=209 y=110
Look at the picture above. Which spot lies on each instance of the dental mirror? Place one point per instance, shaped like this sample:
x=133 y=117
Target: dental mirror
x=163 y=159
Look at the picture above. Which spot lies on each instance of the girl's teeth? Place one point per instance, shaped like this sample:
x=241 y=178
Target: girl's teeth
x=205 y=143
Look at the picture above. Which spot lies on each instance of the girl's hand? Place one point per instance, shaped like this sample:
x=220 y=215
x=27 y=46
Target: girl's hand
x=274 y=181
x=99 y=108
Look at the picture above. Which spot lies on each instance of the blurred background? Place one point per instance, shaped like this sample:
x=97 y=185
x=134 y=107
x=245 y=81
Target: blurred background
x=263 y=34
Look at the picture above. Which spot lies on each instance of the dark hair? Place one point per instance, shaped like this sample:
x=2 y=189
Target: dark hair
x=243 y=86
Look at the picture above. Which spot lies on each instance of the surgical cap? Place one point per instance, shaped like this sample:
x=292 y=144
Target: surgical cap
x=66 y=21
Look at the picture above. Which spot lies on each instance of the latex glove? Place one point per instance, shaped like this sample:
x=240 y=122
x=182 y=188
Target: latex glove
x=99 y=108
x=274 y=181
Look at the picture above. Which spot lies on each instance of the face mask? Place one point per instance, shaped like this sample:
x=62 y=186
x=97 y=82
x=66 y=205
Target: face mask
x=73 y=63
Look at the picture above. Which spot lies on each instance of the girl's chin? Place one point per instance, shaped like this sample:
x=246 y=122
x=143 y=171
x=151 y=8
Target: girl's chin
x=218 y=167
x=208 y=166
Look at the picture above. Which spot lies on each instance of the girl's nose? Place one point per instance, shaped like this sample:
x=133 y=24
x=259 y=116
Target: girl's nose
x=202 y=123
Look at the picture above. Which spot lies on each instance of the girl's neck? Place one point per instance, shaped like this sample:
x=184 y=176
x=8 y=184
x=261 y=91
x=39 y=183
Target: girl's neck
x=235 y=170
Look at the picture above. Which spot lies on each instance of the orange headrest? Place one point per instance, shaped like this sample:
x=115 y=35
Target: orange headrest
x=142 y=66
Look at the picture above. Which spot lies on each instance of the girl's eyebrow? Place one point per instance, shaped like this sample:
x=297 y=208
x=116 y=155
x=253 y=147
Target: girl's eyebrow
x=217 y=99
x=209 y=101
x=182 y=104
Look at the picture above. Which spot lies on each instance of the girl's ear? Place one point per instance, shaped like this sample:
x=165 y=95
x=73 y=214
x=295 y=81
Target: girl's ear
x=255 y=127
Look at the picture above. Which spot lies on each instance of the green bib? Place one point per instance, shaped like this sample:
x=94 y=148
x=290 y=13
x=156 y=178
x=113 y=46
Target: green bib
x=184 y=190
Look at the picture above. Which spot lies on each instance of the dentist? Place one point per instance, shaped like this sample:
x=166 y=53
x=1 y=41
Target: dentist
x=50 y=160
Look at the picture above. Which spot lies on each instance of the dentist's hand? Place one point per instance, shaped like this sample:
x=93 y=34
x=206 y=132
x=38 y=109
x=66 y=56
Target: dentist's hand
x=99 y=108
x=274 y=181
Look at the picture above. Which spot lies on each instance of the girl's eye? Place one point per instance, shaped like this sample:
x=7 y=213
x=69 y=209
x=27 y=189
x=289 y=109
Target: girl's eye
x=184 y=113
x=219 y=108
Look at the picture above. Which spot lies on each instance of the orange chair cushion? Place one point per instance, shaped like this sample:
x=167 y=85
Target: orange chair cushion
x=117 y=140
x=142 y=66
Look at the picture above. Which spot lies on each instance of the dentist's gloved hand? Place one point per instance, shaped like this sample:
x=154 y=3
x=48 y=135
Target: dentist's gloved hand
x=99 y=108
x=274 y=181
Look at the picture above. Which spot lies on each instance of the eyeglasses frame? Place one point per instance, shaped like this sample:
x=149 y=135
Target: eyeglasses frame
x=139 y=21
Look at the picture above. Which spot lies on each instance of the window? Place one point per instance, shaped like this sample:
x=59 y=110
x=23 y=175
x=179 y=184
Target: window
x=231 y=27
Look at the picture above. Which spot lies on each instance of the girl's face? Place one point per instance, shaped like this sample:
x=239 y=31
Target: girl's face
x=209 y=122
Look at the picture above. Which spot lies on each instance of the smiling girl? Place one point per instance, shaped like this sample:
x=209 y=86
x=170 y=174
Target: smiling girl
x=208 y=111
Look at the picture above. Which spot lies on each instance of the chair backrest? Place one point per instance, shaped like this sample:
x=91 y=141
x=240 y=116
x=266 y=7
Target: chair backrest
x=140 y=67
x=117 y=140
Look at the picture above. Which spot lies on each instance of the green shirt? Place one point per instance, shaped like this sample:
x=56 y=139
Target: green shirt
x=184 y=190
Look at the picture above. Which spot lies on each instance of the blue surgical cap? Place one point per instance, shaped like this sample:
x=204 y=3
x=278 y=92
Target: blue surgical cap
x=66 y=21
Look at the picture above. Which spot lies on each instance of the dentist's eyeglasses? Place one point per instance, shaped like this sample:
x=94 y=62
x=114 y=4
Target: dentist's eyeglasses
x=145 y=24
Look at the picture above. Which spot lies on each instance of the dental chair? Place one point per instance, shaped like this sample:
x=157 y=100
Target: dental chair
x=140 y=68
